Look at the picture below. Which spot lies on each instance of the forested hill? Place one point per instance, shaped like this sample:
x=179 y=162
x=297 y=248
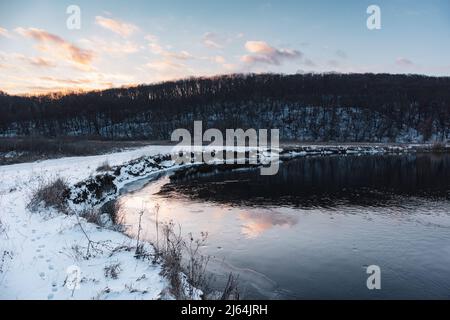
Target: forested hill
x=309 y=107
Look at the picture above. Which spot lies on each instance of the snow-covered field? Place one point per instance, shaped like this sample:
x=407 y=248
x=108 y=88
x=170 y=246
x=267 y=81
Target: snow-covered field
x=41 y=253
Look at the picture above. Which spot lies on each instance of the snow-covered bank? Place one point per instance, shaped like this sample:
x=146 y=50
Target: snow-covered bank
x=294 y=151
x=37 y=249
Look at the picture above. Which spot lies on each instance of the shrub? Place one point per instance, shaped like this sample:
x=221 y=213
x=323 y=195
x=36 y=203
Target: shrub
x=185 y=266
x=231 y=291
x=51 y=194
x=91 y=215
x=171 y=253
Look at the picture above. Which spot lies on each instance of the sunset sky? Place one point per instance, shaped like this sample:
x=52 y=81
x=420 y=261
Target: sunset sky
x=134 y=42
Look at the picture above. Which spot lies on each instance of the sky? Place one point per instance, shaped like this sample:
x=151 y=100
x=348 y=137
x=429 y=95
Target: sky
x=124 y=43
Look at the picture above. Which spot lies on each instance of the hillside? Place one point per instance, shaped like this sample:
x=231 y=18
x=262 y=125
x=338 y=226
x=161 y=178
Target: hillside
x=305 y=107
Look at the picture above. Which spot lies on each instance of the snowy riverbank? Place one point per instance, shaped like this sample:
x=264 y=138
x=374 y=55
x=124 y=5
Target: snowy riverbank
x=36 y=249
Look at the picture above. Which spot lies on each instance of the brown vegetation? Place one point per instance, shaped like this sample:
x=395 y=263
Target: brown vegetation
x=50 y=194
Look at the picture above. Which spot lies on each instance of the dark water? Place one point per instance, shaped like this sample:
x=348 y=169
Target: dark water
x=312 y=230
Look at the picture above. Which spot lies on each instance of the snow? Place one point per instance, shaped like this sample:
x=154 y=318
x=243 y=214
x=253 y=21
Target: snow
x=40 y=250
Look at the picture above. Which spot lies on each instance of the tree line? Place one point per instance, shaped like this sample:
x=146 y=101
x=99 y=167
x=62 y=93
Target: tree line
x=314 y=107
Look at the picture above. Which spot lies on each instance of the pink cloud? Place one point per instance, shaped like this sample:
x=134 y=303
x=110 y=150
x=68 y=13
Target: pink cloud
x=4 y=33
x=165 y=64
x=38 y=62
x=112 y=48
x=259 y=47
x=67 y=49
x=121 y=28
x=262 y=52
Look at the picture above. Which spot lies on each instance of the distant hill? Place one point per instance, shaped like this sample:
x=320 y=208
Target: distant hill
x=309 y=107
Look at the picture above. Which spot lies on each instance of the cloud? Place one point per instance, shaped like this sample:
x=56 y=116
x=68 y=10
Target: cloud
x=165 y=69
x=50 y=42
x=19 y=78
x=66 y=81
x=86 y=82
x=119 y=27
x=151 y=38
x=39 y=62
x=222 y=62
x=80 y=84
x=4 y=33
x=157 y=49
x=211 y=40
x=183 y=55
x=116 y=48
x=17 y=60
x=262 y=52
x=165 y=65
x=404 y=62
x=168 y=65
x=258 y=47
x=39 y=35
x=112 y=48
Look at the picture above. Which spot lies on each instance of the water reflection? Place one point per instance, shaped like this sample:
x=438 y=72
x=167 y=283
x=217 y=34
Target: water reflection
x=206 y=217
x=256 y=223
x=309 y=231
x=325 y=182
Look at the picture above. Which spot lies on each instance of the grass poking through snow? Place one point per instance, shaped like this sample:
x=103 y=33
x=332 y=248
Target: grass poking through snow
x=50 y=194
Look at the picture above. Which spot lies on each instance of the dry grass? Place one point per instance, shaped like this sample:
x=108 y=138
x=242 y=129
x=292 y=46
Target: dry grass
x=231 y=291
x=32 y=148
x=170 y=250
x=104 y=167
x=4 y=254
x=195 y=268
x=91 y=215
x=50 y=194
x=180 y=256
x=97 y=216
x=4 y=257
x=2 y=227
x=112 y=271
